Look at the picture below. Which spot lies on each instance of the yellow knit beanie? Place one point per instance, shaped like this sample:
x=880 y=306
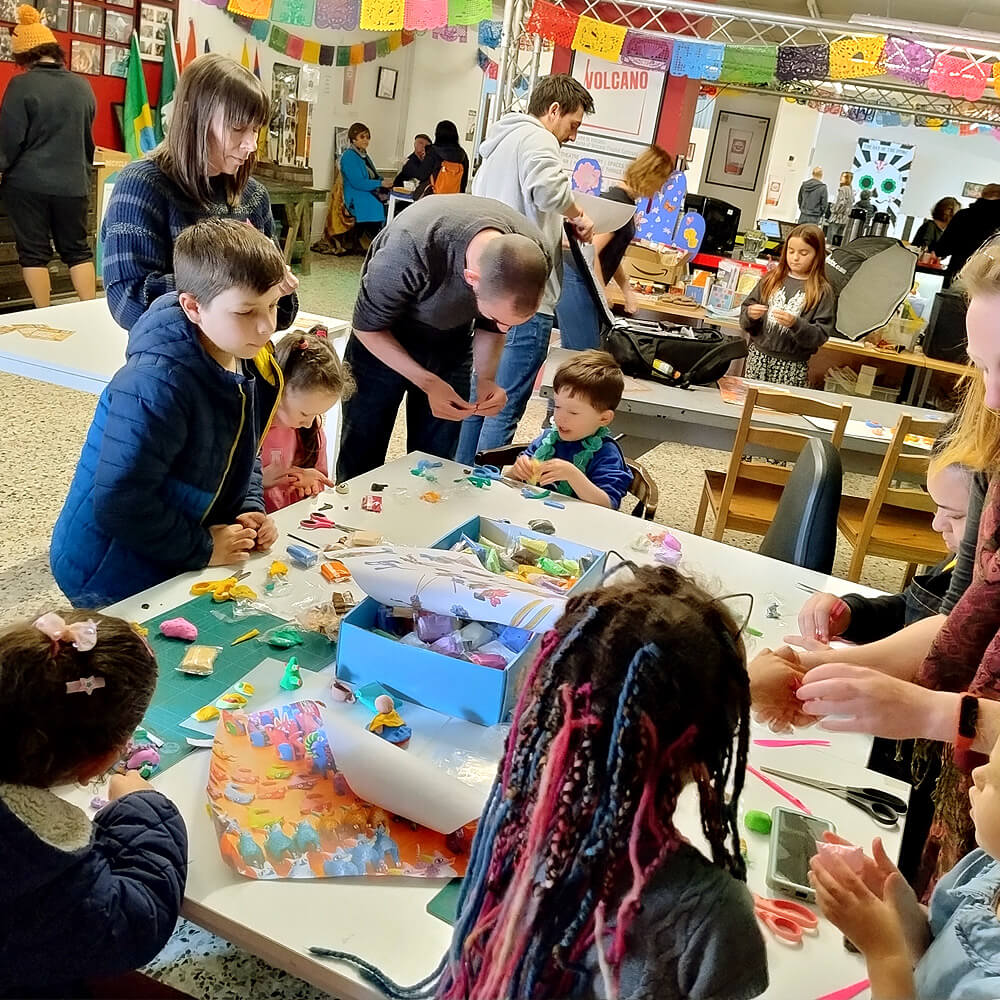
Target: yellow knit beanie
x=29 y=32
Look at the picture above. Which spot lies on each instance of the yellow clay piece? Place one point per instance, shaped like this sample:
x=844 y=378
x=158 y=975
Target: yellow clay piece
x=277 y=568
x=140 y=630
x=207 y=713
x=252 y=634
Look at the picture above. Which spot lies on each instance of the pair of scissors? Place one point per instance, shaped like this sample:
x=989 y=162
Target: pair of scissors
x=883 y=807
x=785 y=919
x=316 y=521
x=492 y=472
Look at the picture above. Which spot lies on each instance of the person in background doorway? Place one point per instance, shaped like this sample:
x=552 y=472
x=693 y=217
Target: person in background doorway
x=790 y=314
x=866 y=205
x=968 y=230
x=412 y=168
x=814 y=199
x=929 y=234
x=46 y=157
x=364 y=187
x=445 y=149
x=576 y=315
x=841 y=209
x=522 y=167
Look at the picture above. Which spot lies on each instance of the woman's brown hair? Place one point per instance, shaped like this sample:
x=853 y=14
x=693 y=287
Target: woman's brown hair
x=211 y=84
x=816 y=283
x=846 y=178
x=649 y=171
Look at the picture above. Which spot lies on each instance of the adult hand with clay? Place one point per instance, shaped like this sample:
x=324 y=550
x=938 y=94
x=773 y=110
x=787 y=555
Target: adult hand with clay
x=775 y=677
x=445 y=403
x=490 y=397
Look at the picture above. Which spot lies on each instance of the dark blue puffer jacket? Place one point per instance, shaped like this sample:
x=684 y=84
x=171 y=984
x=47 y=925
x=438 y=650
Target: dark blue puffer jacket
x=81 y=900
x=172 y=450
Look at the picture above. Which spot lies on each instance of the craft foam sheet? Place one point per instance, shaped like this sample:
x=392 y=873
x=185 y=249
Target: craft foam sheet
x=340 y=14
x=958 y=77
x=851 y=58
x=646 y=51
x=381 y=15
x=552 y=22
x=452 y=583
x=697 y=60
x=599 y=39
x=290 y=793
x=749 y=64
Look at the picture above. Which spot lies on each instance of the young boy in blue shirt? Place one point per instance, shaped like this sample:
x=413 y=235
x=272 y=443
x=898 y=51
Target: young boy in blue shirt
x=169 y=478
x=576 y=456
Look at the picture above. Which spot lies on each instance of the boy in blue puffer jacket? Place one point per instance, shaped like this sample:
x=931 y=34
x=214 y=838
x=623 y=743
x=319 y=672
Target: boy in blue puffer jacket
x=169 y=479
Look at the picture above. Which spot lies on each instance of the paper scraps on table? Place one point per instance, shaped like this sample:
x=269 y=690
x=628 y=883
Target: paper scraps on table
x=37 y=331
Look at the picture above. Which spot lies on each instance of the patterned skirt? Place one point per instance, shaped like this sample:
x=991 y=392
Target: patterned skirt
x=767 y=368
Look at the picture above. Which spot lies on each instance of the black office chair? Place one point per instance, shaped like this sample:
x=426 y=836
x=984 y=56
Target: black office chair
x=804 y=529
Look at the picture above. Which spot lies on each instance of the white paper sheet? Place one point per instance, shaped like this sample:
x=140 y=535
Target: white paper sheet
x=608 y=216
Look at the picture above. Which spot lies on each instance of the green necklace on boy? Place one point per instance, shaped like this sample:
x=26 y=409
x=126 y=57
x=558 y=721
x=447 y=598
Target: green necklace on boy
x=589 y=447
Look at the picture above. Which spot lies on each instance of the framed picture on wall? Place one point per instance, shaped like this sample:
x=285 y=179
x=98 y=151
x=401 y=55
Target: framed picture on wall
x=54 y=13
x=118 y=26
x=386 y=86
x=123 y=3
x=737 y=151
x=115 y=60
x=153 y=21
x=85 y=57
x=88 y=19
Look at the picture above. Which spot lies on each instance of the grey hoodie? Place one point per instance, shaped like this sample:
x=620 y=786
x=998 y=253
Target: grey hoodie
x=522 y=168
x=813 y=200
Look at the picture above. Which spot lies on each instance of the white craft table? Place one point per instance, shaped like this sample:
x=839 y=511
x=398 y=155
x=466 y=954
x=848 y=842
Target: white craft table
x=384 y=919
x=651 y=413
x=89 y=358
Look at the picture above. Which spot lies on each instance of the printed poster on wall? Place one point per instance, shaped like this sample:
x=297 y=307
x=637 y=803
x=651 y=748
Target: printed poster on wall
x=626 y=111
x=738 y=144
x=883 y=167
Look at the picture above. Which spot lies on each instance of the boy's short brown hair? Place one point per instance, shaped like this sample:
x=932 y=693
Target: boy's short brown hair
x=214 y=255
x=594 y=376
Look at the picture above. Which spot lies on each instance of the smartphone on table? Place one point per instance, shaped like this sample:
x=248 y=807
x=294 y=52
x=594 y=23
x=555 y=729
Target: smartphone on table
x=793 y=843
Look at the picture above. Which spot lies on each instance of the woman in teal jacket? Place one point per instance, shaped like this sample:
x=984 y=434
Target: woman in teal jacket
x=362 y=182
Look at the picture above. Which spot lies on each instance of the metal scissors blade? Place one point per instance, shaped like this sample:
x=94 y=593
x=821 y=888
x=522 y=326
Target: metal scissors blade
x=883 y=807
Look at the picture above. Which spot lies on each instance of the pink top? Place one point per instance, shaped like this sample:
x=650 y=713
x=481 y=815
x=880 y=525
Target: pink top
x=280 y=452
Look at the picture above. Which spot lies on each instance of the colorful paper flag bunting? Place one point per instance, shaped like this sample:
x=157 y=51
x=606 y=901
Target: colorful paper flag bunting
x=749 y=64
x=469 y=11
x=421 y=14
x=343 y=55
x=297 y=12
x=599 y=39
x=340 y=14
x=803 y=62
x=245 y=57
x=278 y=39
x=644 y=50
x=327 y=55
x=357 y=55
x=381 y=15
x=855 y=57
x=909 y=61
x=552 y=22
x=697 y=60
x=491 y=33
x=257 y=9
x=958 y=77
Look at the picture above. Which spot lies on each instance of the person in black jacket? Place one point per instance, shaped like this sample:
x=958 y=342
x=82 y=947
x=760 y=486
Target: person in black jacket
x=80 y=899
x=414 y=165
x=46 y=157
x=969 y=230
x=445 y=149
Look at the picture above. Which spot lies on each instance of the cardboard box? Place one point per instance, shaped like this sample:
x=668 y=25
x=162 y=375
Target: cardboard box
x=664 y=265
x=467 y=690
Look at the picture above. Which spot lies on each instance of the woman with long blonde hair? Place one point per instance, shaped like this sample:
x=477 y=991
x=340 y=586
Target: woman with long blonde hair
x=576 y=315
x=202 y=168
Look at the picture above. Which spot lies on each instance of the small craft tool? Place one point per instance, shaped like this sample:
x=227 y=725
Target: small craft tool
x=252 y=634
x=783 y=792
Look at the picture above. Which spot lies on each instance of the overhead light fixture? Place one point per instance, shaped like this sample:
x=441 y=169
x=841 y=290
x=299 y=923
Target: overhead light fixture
x=978 y=39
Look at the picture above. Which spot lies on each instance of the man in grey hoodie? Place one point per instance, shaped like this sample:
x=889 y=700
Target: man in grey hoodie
x=522 y=168
x=814 y=199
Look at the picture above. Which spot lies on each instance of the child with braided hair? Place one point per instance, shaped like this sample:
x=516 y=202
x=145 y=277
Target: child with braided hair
x=293 y=452
x=579 y=884
x=576 y=456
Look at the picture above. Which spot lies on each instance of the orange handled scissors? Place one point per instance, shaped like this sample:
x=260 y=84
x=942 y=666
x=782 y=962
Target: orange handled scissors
x=785 y=919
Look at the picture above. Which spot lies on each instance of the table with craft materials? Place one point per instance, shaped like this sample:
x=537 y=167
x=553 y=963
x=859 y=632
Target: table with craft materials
x=651 y=413
x=298 y=202
x=384 y=919
x=675 y=312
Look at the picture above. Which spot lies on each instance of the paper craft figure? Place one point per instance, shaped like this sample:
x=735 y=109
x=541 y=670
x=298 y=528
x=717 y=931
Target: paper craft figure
x=658 y=222
x=587 y=176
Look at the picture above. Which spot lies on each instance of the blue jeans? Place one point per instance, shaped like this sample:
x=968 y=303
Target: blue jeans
x=576 y=315
x=523 y=354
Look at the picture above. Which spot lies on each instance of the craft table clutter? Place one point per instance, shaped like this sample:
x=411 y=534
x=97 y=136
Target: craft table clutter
x=384 y=919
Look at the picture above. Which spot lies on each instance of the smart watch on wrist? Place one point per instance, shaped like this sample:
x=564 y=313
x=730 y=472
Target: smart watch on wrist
x=968 y=719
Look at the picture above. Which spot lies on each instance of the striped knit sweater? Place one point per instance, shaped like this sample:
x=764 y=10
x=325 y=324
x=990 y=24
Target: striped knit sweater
x=145 y=213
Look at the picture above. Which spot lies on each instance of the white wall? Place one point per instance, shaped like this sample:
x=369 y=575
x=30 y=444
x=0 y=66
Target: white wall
x=765 y=105
x=436 y=80
x=791 y=161
x=941 y=163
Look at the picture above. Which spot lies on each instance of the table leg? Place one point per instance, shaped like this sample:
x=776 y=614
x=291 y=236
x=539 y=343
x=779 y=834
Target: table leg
x=294 y=221
x=925 y=385
x=911 y=393
x=305 y=230
x=391 y=211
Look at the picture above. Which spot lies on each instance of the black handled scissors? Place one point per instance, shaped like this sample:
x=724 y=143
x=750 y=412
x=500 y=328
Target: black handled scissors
x=883 y=807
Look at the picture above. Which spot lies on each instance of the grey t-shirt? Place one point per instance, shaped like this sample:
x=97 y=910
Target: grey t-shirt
x=695 y=938
x=414 y=271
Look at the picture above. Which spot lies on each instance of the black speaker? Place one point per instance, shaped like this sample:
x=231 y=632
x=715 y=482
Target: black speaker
x=722 y=222
x=945 y=338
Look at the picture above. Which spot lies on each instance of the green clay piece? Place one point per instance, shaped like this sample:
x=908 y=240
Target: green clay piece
x=537 y=546
x=291 y=679
x=146 y=771
x=572 y=565
x=282 y=637
x=493 y=561
x=554 y=567
x=757 y=821
x=479 y=482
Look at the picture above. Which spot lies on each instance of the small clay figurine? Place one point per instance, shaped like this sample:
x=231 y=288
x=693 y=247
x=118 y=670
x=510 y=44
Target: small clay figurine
x=291 y=679
x=388 y=723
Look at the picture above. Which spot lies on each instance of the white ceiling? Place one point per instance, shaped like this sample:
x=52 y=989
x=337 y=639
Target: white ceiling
x=972 y=15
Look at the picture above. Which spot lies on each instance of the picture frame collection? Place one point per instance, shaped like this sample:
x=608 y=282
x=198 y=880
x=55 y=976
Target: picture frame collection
x=101 y=32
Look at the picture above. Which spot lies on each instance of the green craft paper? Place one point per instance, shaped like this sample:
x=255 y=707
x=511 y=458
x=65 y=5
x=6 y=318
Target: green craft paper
x=279 y=38
x=299 y=12
x=749 y=64
x=343 y=55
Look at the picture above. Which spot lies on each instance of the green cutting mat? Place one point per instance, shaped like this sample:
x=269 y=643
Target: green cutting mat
x=177 y=695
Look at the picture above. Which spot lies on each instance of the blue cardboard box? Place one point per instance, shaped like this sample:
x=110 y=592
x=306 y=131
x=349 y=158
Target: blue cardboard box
x=467 y=690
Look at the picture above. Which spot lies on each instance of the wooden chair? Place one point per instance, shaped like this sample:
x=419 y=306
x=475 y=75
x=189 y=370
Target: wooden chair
x=896 y=522
x=643 y=486
x=745 y=496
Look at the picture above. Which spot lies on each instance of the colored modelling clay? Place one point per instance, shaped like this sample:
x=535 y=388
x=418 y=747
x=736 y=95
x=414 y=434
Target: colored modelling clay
x=343 y=488
x=206 y=713
x=144 y=755
x=359 y=539
x=245 y=688
x=542 y=526
x=291 y=679
x=341 y=692
x=335 y=571
x=199 y=660
x=252 y=634
x=231 y=699
x=282 y=636
x=179 y=628
x=431 y=496
x=515 y=638
x=556 y=504
x=431 y=627
x=757 y=821
x=450 y=645
x=388 y=723
x=488 y=660
x=853 y=857
x=535 y=493
x=277 y=568
x=475 y=635
x=372 y=503
x=302 y=556
x=538 y=547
